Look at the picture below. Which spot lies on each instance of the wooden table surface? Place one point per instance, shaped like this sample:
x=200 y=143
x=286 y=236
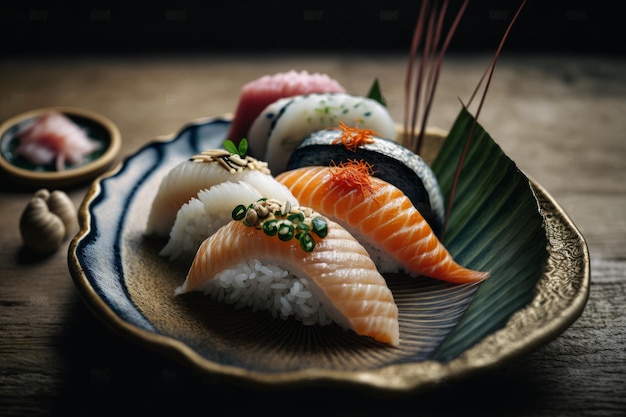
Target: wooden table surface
x=562 y=119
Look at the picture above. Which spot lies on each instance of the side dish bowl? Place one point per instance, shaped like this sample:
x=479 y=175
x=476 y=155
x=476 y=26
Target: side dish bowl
x=23 y=172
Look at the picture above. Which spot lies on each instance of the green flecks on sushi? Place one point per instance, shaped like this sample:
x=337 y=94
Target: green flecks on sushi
x=277 y=218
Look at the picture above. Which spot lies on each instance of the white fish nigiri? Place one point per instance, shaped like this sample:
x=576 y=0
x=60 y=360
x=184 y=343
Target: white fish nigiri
x=266 y=266
x=262 y=124
x=290 y=121
x=212 y=208
x=187 y=178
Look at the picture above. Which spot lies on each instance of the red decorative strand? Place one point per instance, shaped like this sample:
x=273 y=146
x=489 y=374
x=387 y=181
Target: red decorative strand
x=487 y=74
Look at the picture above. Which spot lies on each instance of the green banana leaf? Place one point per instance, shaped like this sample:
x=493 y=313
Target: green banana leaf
x=495 y=225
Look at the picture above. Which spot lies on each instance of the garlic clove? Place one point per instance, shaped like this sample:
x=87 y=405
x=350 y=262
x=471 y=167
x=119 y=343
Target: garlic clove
x=61 y=205
x=41 y=230
x=43 y=193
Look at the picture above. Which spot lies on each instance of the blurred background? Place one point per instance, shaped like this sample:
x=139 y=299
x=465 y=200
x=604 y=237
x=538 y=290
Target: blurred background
x=189 y=26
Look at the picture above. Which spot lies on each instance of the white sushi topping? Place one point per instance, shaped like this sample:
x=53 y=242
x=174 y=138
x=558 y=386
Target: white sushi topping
x=230 y=162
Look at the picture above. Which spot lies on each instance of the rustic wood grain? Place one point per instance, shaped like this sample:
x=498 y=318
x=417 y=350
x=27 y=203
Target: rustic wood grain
x=560 y=118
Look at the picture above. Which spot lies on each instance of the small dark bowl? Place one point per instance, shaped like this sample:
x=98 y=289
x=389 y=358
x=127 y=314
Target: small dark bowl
x=23 y=172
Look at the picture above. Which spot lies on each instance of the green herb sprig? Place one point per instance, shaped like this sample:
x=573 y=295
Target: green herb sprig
x=241 y=149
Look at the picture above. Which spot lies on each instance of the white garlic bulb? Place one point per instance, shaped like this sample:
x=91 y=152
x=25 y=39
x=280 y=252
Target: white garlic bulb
x=47 y=220
x=61 y=205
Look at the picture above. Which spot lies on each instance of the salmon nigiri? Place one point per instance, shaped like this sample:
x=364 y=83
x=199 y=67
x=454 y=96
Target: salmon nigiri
x=295 y=262
x=380 y=215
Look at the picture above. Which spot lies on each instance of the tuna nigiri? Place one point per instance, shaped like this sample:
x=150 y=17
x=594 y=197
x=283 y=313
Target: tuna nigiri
x=380 y=216
x=294 y=262
x=259 y=93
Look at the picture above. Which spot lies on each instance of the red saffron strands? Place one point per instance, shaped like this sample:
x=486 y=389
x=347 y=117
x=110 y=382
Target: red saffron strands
x=417 y=34
x=434 y=29
x=488 y=73
x=353 y=137
x=352 y=175
x=437 y=66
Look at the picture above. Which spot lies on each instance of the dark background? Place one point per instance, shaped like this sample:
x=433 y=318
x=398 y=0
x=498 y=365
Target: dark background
x=110 y=26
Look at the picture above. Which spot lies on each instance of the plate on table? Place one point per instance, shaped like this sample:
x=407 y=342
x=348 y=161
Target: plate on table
x=24 y=172
x=446 y=330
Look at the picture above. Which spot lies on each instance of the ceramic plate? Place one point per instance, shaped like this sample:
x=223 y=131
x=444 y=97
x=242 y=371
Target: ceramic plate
x=24 y=172
x=126 y=283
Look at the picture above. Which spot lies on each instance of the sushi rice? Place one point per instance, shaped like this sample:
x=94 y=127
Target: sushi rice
x=267 y=286
x=202 y=215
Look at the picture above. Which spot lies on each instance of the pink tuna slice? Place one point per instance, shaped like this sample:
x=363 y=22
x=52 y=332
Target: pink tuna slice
x=259 y=93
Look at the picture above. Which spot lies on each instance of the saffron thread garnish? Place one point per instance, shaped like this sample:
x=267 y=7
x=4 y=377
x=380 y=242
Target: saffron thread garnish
x=354 y=137
x=355 y=175
x=351 y=175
